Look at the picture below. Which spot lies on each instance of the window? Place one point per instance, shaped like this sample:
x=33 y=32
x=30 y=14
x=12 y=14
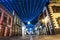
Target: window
x=58 y=20
x=17 y=21
x=9 y=21
x=4 y=20
x=45 y=13
x=56 y=9
x=0 y=13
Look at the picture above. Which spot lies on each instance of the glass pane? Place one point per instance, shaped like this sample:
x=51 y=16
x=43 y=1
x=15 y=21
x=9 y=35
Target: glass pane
x=14 y=19
x=59 y=22
x=56 y=9
x=17 y=21
x=45 y=13
x=9 y=21
x=4 y=20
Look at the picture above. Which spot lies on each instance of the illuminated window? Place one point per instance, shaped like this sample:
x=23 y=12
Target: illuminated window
x=58 y=20
x=56 y=9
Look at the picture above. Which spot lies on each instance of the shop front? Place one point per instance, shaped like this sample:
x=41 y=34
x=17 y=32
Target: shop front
x=5 y=22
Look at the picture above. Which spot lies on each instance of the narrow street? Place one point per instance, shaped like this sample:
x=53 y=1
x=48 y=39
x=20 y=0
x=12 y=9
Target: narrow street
x=29 y=19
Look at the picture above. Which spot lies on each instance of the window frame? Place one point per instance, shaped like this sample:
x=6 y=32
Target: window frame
x=56 y=9
x=9 y=20
x=58 y=21
x=4 y=21
x=0 y=14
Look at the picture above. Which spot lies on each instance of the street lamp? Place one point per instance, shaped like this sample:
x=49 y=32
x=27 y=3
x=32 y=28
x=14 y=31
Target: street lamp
x=45 y=20
x=28 y=22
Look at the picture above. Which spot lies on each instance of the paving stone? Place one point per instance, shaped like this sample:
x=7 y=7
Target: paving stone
x=41 y=37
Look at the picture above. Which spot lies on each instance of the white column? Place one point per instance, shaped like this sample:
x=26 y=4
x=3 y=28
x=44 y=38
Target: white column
x=23 y=30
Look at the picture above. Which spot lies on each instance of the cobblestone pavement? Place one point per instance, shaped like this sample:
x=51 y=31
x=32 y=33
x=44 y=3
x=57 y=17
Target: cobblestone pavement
x=41 y=37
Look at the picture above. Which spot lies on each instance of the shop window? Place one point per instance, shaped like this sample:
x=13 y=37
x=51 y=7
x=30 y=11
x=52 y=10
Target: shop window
x=4 y=22
x=9 y=21
x=56 y=9
x=58 y=20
